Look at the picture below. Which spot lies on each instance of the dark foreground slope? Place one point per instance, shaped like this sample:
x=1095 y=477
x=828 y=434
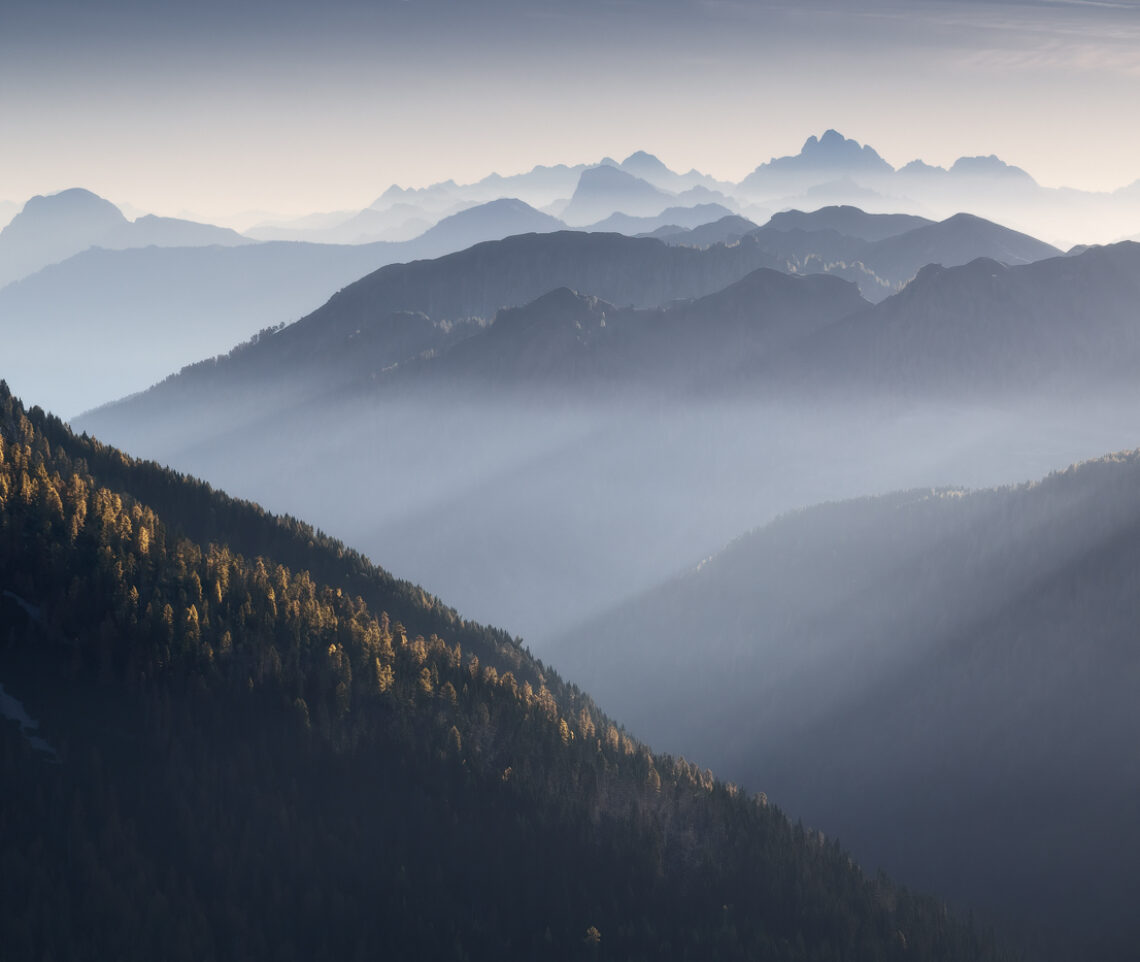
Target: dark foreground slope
x=947 y=681
x=237 y=759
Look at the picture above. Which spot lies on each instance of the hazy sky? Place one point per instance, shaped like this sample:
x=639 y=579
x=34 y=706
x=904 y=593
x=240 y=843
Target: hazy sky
x=218 y=107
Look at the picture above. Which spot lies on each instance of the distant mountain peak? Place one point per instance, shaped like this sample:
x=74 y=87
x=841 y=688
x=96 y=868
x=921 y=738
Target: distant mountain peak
x=960 y=275
x=53 y=227
x=988 y=166
x=833 y=149
x=831 y=154
x=75 y=201
x=645 y=165
x=494 y=219
x=605 y=190
x=921 y=167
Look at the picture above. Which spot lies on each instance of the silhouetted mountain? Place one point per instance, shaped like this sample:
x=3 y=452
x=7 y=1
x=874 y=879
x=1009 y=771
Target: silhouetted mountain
x=956 y=240
x=105 y=323
x=605 y=190
x=726 y=230
x=569 y=340
x=542 y=500
x=920 y=168
x=491 y=221
x=538 y=186
x=649 y=168
x=943 y=679
x=847 y=220
x=318 y=352
x=834 y=170
x=241 y=752
x=1063 y=324
x=882 y=267
x=676 y=217
x=989 y=167
x=151 y=231
x=829 y=157
x=52 y=228
x=436 y=197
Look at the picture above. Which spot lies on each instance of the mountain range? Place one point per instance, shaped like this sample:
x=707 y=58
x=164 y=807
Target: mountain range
x=51 y=229
x=831 y=169
x=348 y=339
x=105 y=323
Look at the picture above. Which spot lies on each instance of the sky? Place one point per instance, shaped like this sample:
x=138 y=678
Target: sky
x=215 y=108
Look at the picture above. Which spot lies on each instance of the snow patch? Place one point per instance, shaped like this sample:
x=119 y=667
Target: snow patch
x=13 y=710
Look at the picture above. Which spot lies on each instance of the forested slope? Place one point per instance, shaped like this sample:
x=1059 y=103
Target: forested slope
x=241 y=759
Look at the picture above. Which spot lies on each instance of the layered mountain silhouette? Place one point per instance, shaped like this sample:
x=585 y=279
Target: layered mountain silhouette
x=829 y=169
x=829 y=157
x=674 y=217
x=606 y=190
x=728 y=389
x=943 y=678
x=727 y=230
x=105 y=323
x=542 y=495
x=491 y=221
x=954 y=241
x=652 y=169
x=475 y=283
x=565 y=341
x=52 y=228
x=624 y=272
x=152 y=231
x=848 y=221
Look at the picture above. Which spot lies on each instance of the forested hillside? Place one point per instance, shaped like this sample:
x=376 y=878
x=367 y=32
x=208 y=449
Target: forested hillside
x=242 y=753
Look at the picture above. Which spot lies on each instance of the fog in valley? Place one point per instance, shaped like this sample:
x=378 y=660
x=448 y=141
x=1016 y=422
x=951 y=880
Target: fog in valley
x=534 y=515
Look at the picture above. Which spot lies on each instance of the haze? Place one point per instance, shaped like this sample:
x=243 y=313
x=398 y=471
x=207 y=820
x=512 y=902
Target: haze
x=219 y=109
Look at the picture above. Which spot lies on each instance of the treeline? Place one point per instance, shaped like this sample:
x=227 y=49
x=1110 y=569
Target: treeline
x=252 y=761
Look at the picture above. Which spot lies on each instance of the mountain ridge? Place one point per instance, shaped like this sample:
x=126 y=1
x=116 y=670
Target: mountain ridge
x=943 y=657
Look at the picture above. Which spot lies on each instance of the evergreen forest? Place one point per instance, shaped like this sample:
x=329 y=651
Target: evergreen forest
x=228 y=736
